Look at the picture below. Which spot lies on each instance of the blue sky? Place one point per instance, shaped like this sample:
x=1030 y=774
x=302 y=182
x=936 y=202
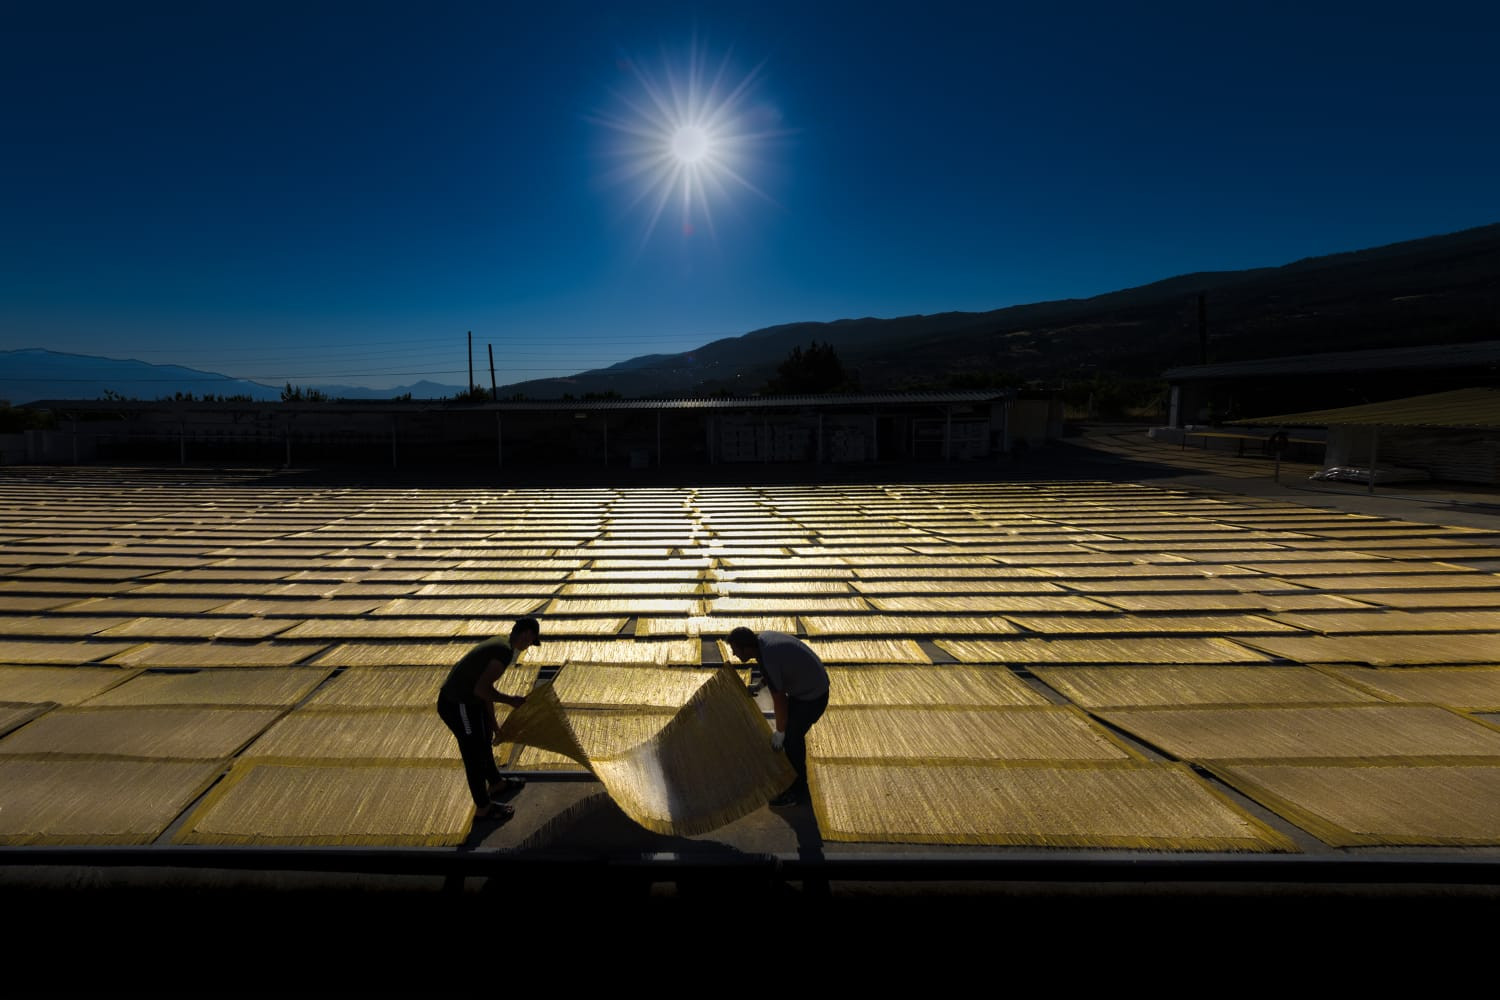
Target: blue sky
x=329 y=192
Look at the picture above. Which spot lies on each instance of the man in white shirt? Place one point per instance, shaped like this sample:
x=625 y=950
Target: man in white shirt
x=798 y=684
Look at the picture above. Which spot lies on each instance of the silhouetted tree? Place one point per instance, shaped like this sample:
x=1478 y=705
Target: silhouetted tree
x=817 y=369
x=296 y=394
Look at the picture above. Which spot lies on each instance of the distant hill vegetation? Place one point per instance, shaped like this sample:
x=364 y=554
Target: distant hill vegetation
x=1442 y=289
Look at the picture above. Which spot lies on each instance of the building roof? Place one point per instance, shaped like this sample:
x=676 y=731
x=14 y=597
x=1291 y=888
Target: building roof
x=1347 y=362
x=1459 y=408
x=553 y=405
x=759 y=402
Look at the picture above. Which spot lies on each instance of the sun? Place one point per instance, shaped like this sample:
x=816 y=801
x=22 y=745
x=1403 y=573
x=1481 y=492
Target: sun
x=685 y=138
x=690 y=144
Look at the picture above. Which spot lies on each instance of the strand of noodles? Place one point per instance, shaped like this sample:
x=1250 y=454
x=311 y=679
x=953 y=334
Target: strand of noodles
x=711 y=764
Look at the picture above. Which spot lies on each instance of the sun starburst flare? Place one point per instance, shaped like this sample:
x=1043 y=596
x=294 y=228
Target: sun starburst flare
x=686 y=142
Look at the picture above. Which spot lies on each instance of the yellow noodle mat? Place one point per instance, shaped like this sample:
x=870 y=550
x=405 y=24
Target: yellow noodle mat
x=328 y=805
x=1140 y=806
x=784 y=605
x=911 y=586
x=1163 y=686
x=532 y=759
x=646 y=588
x=394 y=654
x=537 y=588
x=290 y=607
x=167 y=733
x=708 y=765
x=1416 y=581
x=1373 y=620
x=1418 y=732
x=405 y=687
x=36 y=627
x=434 y=628
x=987 y=604
x=13 y=715
x=29 y=605
x=1489 y=598
x=1229 y=602
x=1459 y=550
x=482 y=582
x=1384 y=650
x=1177 y=624
x=63 y=685
x=393 y=628
x=617 y=606
x=937 y=572
x=198 y=627
x=218 y=654
x=1379 y=804
x=360 y=734
x=60 y=653
x=256 y=686
x=881 y=651
x=580 y=684
x=84 y=592
x=872 y=624
x=85 y=574
x=968 y=687
x=646 y=628
x=928 y=733
x=600 y=732
x=1367 y=567
x=460 y=607
x=145 y=606
x=1468 y=689
x=1136 y=571
x=95 y=801
x=636 y=576
x=1190 y=649
x=1179 y=585
x=659 y=652
x=773 y=588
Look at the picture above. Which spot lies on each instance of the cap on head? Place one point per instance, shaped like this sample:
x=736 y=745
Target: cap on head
x=528 y=624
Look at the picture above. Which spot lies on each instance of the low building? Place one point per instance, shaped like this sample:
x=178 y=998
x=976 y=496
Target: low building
x=1218 y=393
x=1452 y=436
x=629 y=433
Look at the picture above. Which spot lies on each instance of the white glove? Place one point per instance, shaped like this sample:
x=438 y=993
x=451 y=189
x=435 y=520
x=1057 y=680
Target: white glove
x=778 y=740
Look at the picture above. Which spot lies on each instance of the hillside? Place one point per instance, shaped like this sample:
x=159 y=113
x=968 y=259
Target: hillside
x=1442 y=289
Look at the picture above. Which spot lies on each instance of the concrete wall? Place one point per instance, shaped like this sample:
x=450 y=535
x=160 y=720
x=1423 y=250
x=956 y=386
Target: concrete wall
x=1035 y=421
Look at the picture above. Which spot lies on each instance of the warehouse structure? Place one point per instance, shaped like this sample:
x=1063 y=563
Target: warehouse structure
x=625 y=433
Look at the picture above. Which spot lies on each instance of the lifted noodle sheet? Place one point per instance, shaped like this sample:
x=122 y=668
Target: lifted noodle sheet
x=710 y=764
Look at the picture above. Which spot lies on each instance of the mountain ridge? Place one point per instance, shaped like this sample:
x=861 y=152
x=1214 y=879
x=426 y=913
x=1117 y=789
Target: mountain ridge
x=1433 y=289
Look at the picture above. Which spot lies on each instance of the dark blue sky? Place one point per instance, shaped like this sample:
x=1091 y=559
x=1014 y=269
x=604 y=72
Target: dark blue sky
x=327 y=192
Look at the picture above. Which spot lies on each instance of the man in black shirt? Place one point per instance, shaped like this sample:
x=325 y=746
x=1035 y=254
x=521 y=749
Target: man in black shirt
x=798 y=682
x=466 y=703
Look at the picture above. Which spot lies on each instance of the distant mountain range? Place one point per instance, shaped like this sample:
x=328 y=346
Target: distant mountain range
x=1442 y=289
x=33 y=374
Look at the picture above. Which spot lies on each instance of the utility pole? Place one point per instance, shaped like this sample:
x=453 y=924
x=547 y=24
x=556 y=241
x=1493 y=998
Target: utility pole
x=494 y=396
x=1202 y=329
x=470 y=387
